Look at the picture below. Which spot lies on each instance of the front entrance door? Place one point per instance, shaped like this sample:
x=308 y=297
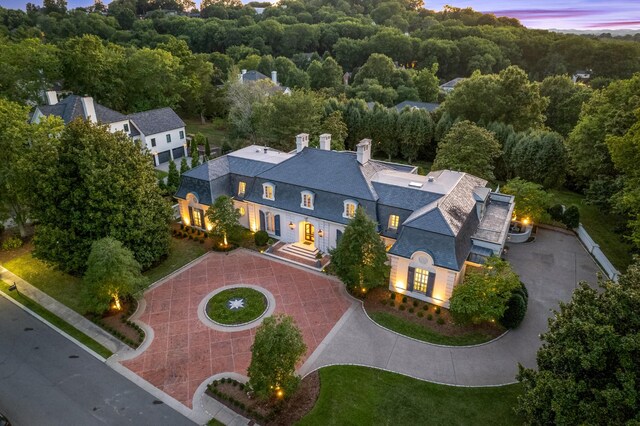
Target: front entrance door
x=309 y=233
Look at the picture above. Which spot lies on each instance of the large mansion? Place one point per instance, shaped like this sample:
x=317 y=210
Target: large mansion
x=161 y=131
x=433 y=225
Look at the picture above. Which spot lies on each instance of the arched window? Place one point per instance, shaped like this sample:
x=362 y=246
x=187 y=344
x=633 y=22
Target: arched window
x=422 y=274
x=306 y=200
x=350 y=207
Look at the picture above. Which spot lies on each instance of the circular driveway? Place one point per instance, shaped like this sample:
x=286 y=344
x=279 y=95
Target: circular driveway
x=185 y=351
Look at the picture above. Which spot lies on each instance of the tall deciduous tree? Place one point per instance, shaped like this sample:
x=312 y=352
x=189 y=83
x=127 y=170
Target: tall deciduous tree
x=90 y=184
x=565 y=102
x=360 y=257
x=587 y=368
x=152 y=79
x=113 y=274
x=334 y=125
x=223 y=216
x=468 y=148
x=531 y=200
x=427 y=83
x=484 y=294
x=276 y=349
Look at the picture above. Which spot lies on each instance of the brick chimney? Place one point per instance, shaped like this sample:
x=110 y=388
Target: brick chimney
x=89 y=109
x=364 y=151
x=52 y=97
x=325 y=142
x=302 y=141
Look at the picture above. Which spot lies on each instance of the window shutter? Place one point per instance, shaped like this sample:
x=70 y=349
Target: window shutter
x=431 y=279
x=412 y=272
x=263 y=222
x=277 y=224
x=201 y=213
x=191 y=215
x=338 y=236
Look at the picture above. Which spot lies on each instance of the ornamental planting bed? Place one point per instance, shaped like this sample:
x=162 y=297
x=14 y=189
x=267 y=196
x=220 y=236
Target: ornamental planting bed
x=236 y=306
x=424 y=321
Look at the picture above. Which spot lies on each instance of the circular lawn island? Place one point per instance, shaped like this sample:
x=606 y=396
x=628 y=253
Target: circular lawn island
x=236 y=306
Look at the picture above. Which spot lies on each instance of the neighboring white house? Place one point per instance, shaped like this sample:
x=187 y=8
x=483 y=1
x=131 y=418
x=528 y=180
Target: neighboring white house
x=252 y=76
x=160 y=130
x=450 y=85
x=433 y=226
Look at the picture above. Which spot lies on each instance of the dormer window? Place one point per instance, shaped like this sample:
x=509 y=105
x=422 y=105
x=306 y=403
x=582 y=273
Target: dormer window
x=242 y=188
x=307 y=200
x=268 y=191
x=394 y=221
x=349 y=209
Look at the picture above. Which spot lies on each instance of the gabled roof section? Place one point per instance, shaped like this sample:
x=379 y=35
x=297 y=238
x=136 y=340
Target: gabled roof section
x=71 y=108
x=222 y=166
x=253 y=75
x=452 y=83
x=448 y=214
x=156 y=121
x=403 y=198
x=336 y=172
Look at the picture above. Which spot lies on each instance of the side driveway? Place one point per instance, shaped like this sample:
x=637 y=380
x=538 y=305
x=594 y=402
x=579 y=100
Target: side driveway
x=551 y=267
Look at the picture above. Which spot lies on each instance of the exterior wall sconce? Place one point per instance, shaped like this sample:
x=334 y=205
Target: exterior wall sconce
x=320 y=233
x=292 y=226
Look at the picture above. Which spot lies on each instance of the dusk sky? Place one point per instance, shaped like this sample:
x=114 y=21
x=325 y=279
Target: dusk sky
x=561 y=14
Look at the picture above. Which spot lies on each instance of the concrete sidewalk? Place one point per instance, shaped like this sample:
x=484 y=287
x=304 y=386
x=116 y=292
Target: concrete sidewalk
x=60 y=310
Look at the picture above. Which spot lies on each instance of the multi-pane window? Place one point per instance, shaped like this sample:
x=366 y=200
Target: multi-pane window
x=242 y=187
x=153 y=141
x=349 y=209
x=126 y=127
x=181 y=134
x=271 y=223
x=307 y=200
x=168 y=137
x=420 y=279
x=267 y=191
x=394 y=220
x=197 y=218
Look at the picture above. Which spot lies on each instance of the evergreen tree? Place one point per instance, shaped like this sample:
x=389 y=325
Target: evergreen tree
x=207 y=148
x=415 y=131
x=184 y=166
x=195 y=155
x=360 y=259
x=173 y=179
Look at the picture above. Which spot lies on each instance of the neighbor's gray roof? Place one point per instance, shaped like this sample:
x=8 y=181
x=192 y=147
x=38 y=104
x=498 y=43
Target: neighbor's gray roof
x=452 y=83
x=428 y=106
x=71 y=108
x=253 y=75
x=156 y=120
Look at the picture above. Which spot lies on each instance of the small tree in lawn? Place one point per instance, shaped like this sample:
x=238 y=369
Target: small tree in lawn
x=276 y=350
x=173 y=179
x=224 y=216
x=360 y=259
x=184 y=166
x=112 y=274
x=484 y=294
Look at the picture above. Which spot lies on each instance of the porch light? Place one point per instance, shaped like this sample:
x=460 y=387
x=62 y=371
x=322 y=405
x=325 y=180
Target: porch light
x=525 y=221
x=292 y=226
x=320 y=233
x=185 y=220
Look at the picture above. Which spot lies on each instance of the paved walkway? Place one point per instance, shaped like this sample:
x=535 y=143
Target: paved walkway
x=550 y=267
x=60 y=310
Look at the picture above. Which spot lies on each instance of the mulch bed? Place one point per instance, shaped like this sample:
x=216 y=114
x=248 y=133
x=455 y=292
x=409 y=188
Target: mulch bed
x=117 y=323
x=281 y=413
x=374 y=303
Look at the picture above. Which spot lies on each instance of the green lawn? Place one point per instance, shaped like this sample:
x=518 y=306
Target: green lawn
x=352 y=395
x=215 y=131
x=161 y=174
x=416 y=331
x=66 y=288
x=57 y=321
x=254 y=305
x=600 y=226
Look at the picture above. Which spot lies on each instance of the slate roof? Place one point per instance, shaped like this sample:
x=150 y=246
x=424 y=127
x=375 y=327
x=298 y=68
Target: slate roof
x=156 y=120
x=452 y=83
x=71 y=108
x=226 y=164
x=428 y=106
x=253 y=75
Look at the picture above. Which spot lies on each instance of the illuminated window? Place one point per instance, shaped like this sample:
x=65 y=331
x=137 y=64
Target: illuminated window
x=271 y=222
x=268 y=191
x=420 y=279
x=393 y=221
x=198 y=218
x=242 y=187
x=307 y=200
x=242 y=211
x=349 y=209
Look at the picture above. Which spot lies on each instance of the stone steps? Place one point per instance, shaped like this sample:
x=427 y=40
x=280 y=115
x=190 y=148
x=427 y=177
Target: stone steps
x=300 y=252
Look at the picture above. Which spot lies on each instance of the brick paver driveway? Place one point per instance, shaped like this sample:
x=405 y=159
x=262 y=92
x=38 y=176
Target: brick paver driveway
x=185 y=352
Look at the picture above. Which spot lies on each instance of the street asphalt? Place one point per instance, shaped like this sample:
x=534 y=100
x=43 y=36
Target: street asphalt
x=45 y=379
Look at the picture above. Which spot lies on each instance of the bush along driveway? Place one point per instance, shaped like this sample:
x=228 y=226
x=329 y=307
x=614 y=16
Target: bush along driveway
x=550 y=267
